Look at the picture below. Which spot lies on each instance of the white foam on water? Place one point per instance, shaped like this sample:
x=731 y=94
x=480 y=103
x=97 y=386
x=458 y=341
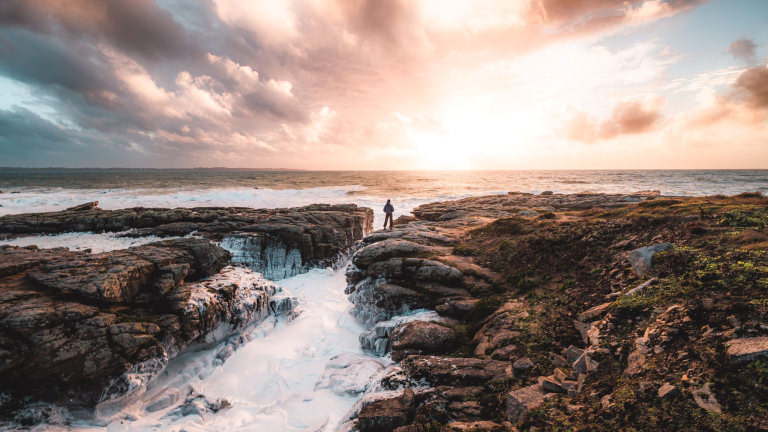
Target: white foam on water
x=96 y=242
x=55 y=199
x=46 y=200
x=270 y=381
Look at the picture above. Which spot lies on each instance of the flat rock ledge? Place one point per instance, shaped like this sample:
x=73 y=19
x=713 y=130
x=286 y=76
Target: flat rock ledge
x=278 y=243
x=745 y=350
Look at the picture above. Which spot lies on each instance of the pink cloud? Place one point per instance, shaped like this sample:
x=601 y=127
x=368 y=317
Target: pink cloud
x=628 y=118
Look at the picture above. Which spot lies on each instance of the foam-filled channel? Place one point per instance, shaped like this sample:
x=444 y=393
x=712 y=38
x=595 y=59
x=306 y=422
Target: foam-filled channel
x=291 y=375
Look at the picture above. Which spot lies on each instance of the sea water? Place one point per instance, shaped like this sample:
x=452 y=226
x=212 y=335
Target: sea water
x=37 y=190
x=278 y=379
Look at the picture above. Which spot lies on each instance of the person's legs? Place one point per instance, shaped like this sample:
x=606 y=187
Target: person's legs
x=388 y=218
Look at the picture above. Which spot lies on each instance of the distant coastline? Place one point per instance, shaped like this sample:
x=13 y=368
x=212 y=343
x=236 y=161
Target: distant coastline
x=148 y=169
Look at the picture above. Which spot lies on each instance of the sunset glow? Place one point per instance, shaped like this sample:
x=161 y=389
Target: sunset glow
x=362 y=84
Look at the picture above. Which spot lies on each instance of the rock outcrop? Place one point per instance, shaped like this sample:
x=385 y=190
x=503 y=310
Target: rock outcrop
x=84 y=329
x=94 y=327
x=566 y=299
x=275 y=242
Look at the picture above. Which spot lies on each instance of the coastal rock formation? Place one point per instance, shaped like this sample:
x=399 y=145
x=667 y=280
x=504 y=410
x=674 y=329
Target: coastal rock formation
x=118 y=276
x=602 y=306
x=98 y=326
x=278 y=243
x=78 y=328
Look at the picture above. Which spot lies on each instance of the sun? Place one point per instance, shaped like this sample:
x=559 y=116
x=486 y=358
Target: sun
x=465 y=134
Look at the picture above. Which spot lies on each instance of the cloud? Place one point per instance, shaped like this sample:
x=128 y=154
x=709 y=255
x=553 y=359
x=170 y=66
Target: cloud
x=231 y=81
x=752 y=87
x=27 y=139
x=29 y=57
x=591 y=15
x=628 y=118
x=138 y=27
x=744 y=101
x=743 y=49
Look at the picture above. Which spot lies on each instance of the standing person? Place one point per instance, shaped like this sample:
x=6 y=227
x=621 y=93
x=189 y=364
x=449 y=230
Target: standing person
x=388 y=209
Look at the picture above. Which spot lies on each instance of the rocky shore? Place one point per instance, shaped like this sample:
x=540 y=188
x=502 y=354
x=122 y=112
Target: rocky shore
x=506 y=312
x=568 y=312
x=84 y=329
x=275 y=242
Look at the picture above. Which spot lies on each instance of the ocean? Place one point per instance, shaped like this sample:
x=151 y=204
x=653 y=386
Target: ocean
x=273 y=382
x=37 y=190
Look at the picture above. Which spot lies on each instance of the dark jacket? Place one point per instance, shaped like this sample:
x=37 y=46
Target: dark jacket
x=388 y=208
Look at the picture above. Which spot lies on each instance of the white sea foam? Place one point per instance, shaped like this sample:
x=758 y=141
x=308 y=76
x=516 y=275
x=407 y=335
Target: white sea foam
x=45 y=200
x=283 y=379
x=96 y=242
x=55 y=199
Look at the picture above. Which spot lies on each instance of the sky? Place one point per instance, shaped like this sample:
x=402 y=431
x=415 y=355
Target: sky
x=395 y=84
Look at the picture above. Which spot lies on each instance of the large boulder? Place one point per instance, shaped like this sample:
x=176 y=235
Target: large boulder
x=387 y=414
x=386 y=249
x=90 y=327
x=462 y=371
x=428 y=337
x=267 y=240
x=55 y=338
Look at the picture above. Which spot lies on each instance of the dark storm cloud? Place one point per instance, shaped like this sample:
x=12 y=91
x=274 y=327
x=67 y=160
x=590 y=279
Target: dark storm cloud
x=135 y=26
x=37 y=59
x=26 y=139
x=127 y=70
x=23 y=130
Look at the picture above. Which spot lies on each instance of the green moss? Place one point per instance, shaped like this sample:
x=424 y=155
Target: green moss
x=484 y=308
x=659 y=203
x=507 y=226
x=462 y=249
x=759 y=369
x=744 y=218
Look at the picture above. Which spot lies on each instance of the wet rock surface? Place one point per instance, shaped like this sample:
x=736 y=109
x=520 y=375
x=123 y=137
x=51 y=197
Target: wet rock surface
x=579 y=312
x=278 y=243
x=76 y=323
x=81 y=329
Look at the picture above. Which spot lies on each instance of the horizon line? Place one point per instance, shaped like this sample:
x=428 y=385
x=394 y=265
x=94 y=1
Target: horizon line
x=373 y=170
